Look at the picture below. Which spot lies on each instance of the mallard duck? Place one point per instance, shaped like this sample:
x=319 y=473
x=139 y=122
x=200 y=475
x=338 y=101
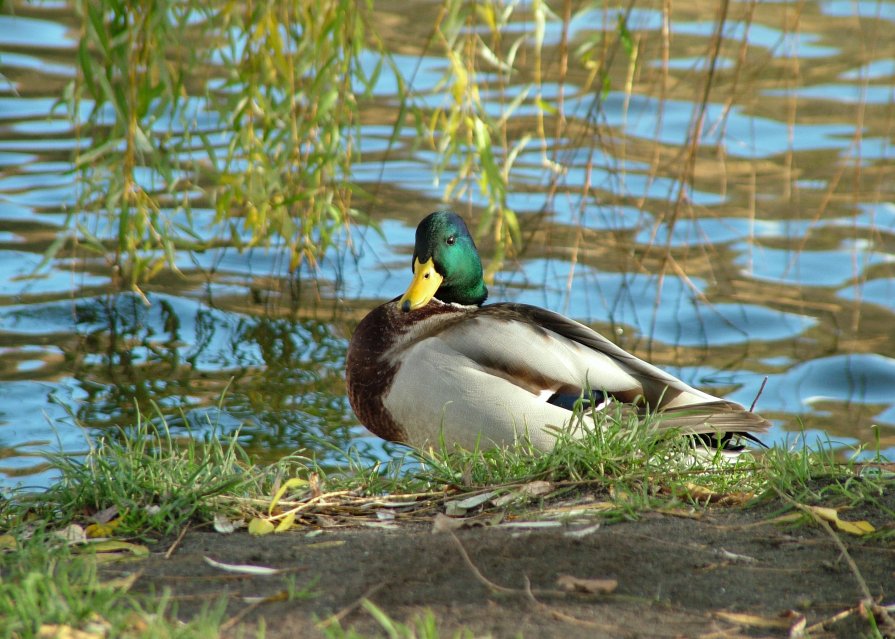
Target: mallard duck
x=435 y=365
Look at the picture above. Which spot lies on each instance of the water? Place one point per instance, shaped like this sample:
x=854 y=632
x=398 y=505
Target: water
x=779 y=261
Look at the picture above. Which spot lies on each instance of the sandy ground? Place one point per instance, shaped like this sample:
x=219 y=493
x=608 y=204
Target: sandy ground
x=725 y=572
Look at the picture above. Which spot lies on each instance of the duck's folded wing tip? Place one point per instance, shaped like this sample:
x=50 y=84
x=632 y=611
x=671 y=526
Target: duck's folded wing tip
x=713 y=417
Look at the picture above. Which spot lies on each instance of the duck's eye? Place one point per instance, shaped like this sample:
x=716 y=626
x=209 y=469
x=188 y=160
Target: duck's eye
x=451 y=240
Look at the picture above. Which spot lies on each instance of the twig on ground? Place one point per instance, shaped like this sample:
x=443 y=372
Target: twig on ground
x=477 y=573
x=822 y=625
x=561 y=616
x=529 y=594
x=239 y=616
x=177 y=541
x=868 y=600
x=341 y=614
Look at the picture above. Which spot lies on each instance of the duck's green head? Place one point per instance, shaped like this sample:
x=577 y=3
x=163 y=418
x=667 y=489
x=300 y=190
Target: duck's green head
x=446 y=264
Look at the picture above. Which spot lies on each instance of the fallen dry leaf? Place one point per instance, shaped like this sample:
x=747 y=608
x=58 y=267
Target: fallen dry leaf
x=736 y=499
x=443 y=523
x=570 y=583
x=536 y=488
x=754 y=621
x=113 y=545
x=243 y=569
x=105 y=515
x=259 y=527
x=72 y=533
x=832 y=515
x=223 y=525
x=106 y=529
x=282 y=595
x=95 y=627
x=64 y=631
x=698 y=492
x=460 y=506
x=582 y=532
x=332 y=543
x=285 y=523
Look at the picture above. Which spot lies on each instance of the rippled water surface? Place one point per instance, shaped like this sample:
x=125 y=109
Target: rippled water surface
x=777 y=259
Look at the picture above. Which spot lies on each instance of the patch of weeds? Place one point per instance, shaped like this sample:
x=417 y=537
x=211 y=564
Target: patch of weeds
x=48 y=589
x=816 y=476
x=603 y=445
x=618 y=450
x=358 y=474
x=153 y=480
x=423 y=626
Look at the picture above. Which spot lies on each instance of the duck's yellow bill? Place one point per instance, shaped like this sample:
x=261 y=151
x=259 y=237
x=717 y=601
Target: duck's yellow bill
x=426 y=281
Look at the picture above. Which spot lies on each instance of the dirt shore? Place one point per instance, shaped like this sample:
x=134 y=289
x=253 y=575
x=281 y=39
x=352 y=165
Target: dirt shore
x=724 y=572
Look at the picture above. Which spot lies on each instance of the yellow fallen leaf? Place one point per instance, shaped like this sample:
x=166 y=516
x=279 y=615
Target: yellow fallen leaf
x=94 y=627
x=64 y=631
x=699 y=493
x=855 y=527
x=113 y=545
x=283 y=595
x=8 y=542
x=736 y=499
x=260 y=527
x=295 y=482
x=680 y=512
x=286 y=523
x=102 y=530
x=832 y=515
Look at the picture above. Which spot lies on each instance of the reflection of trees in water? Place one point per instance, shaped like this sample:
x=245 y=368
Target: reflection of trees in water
x=280 y=380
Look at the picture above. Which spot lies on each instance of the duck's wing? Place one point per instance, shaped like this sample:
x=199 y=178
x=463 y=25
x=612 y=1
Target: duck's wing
x=546 y=353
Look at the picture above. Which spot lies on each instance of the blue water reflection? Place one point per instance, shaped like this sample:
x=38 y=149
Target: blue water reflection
x=856 y=378
x=721 y=324
x=806 y=267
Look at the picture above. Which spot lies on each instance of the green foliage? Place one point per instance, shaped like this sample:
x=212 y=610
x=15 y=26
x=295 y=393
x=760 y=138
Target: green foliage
x=260 y=115
x=49 y=589
x=424 y=626
x=816 y=475
x=474 y=144
x=156 y=481
x=285 y=104
x=288 y=97
x=612 y=446
x=130 y=86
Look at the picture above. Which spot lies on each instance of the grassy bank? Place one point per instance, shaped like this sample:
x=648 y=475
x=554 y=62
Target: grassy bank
x=141 y=492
